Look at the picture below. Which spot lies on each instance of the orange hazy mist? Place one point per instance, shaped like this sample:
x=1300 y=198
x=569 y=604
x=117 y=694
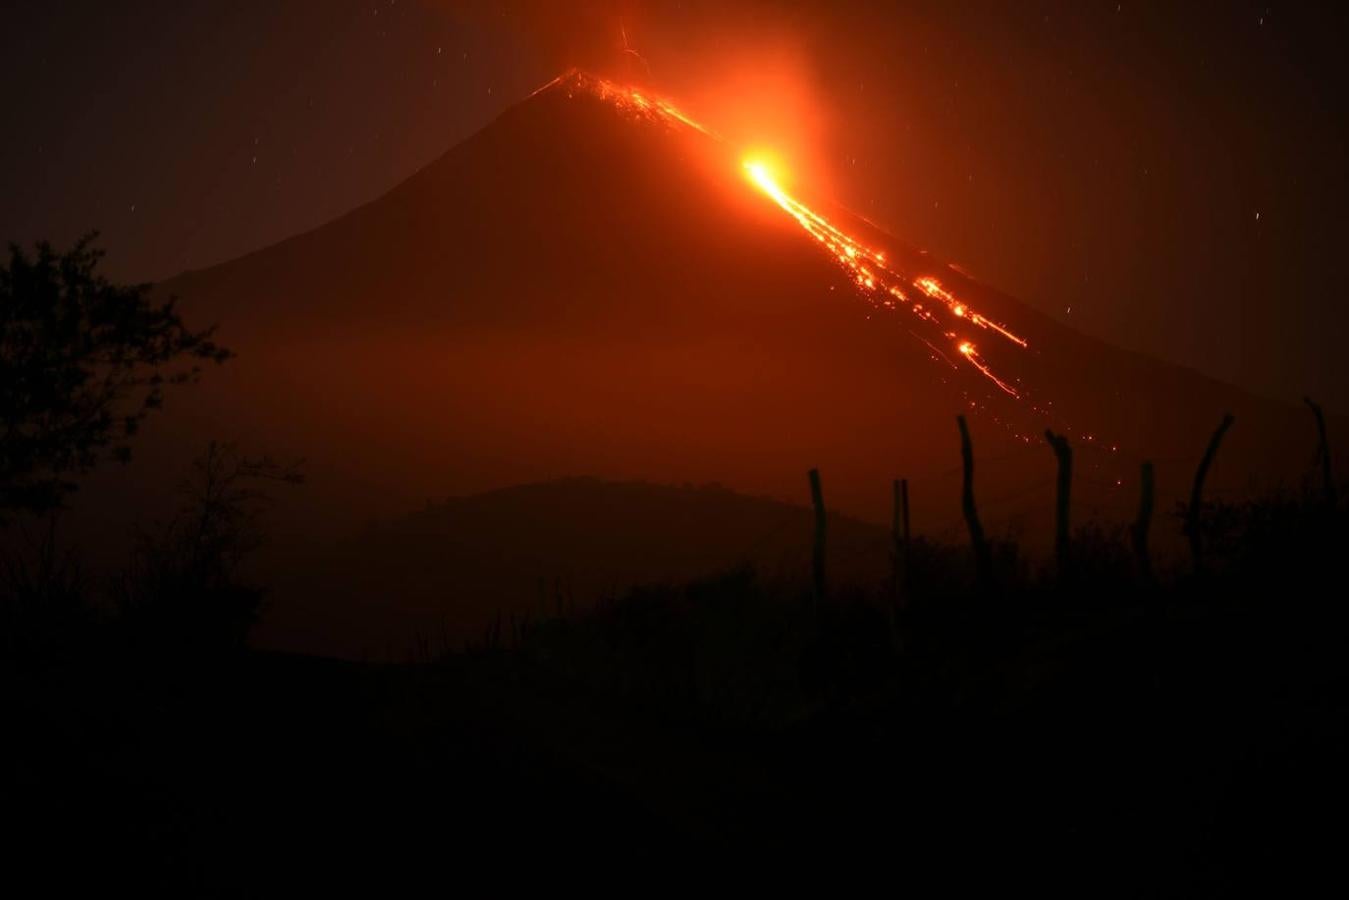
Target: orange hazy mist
x=763 y=97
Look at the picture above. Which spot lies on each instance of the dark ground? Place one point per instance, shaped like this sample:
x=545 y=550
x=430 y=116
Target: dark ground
x=1089 y=733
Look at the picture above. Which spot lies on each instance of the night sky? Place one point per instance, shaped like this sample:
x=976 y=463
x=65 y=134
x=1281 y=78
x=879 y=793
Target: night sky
x=1171 y=180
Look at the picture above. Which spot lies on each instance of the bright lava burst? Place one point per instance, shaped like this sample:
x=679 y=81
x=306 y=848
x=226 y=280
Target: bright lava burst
x=874 y=278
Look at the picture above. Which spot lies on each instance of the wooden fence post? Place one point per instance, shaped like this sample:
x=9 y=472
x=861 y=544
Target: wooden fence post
x=1192 y=524
x=1143 y=524
x=1323 y=450
x=983 y=560
x=899 y=536
x=1062 y=499
x=817 y=559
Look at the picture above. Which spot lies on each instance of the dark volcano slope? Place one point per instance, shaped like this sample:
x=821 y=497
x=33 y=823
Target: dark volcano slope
x=576 y=292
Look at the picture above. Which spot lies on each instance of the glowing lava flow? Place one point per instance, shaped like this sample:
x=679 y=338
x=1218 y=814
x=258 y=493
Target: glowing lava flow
x=873 y=277
x=933 y=288
x=877 y=281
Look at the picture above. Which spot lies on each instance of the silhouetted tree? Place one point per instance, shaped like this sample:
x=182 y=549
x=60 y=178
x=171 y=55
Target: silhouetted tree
x=183 y=584
x=82 y=362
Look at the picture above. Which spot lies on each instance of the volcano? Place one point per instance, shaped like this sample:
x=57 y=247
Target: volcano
x=595 y=284
x=590 y=287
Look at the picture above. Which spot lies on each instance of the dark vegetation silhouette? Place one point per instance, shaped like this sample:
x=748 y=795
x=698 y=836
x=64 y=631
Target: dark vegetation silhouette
x=83 y=361
x=183 y=592
x=1099 y=723
x=1171 y=731
x=1110 y=722
x=181 y=597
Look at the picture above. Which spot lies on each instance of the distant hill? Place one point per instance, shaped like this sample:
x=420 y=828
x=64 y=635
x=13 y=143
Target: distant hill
x=529 y=552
